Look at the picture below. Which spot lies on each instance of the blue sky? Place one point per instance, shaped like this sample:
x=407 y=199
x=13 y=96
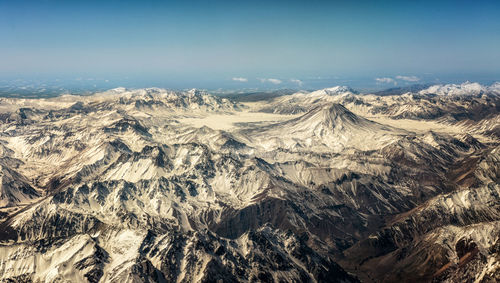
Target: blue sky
x=212 y=42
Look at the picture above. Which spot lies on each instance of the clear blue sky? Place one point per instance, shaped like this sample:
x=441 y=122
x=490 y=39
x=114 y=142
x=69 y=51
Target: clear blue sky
x=193 y=41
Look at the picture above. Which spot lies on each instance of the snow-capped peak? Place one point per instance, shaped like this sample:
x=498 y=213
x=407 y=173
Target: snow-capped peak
x=118 y=90
x=466 y=88
x=330 y=114
x=336 y=90
x=495 y=88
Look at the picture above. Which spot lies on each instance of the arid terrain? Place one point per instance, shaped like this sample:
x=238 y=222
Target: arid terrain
x=153 y=185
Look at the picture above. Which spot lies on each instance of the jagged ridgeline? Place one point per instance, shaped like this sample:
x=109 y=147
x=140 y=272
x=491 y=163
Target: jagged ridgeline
x=152 y=185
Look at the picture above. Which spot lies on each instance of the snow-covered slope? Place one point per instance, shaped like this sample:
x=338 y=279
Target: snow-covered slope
x=329 y=127
x=470 y=106
x=466 y=88
x=457 y=232
x=161 y=98
x=301 y=102
x=116 y=187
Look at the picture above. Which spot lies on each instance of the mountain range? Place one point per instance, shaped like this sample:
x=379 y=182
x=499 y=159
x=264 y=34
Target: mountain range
x=141 y=185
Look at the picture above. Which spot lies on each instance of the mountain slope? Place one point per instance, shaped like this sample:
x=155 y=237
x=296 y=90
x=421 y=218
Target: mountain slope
x=117 y=187
x=329 y=126
x=15 y=189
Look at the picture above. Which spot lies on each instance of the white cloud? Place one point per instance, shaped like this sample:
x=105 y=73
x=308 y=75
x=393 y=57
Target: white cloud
x=386 y=80
x=273 y=81
x=408 y=78
x=299 y=82
x=243 y=80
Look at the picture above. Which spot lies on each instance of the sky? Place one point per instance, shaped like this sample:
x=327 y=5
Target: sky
x=240 y=44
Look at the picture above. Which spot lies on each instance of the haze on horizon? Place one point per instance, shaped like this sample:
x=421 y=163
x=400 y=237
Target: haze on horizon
x=252 y=43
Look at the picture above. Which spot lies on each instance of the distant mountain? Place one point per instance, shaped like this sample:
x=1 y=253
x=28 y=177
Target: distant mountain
x=402 y=90
x=453 y=103
x=466 y=88
x=301 y=102
x=258 y=96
